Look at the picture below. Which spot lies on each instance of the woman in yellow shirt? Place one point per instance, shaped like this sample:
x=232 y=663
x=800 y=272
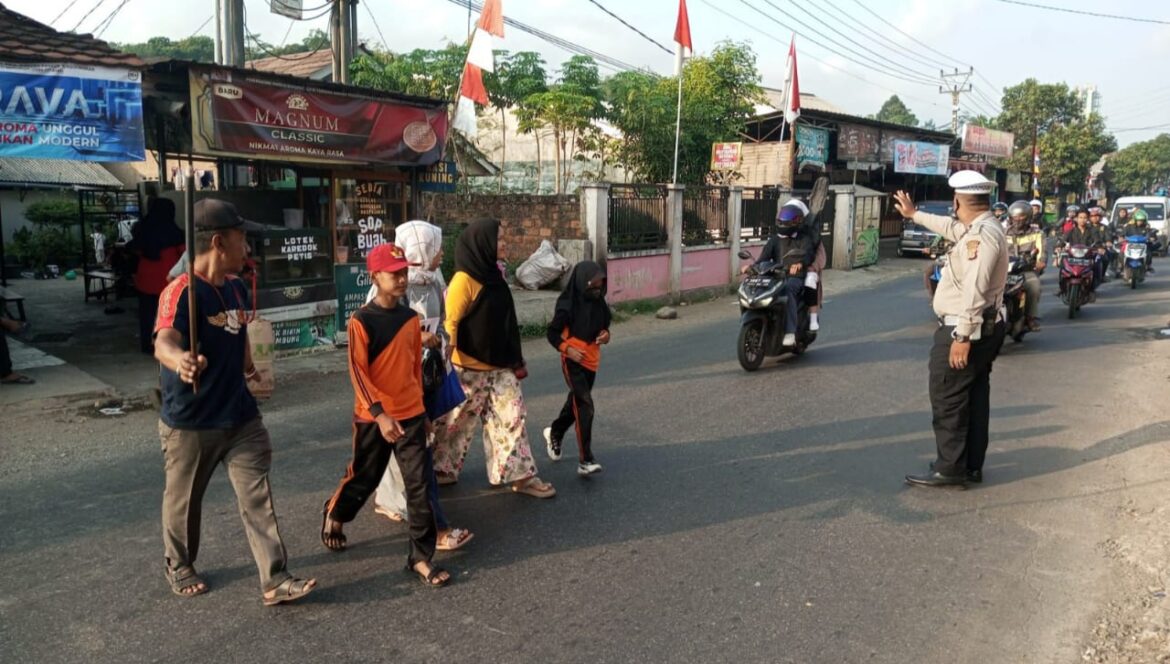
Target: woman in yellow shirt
x=485 y=338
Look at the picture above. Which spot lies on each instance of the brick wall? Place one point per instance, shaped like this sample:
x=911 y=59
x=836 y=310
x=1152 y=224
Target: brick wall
x=525 y=219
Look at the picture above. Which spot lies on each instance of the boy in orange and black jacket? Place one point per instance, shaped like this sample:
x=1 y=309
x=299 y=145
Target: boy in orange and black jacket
x=385 y=366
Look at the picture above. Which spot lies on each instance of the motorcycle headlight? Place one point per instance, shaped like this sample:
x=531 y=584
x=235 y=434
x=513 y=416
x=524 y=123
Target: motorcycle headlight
x=766 y=302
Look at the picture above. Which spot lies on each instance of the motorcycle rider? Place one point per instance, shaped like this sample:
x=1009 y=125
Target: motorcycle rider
x=793 y=248
x=1139 y=225
x=1027 y=243
x=1037 y=212
x=1070 y=219
x=1084 y=234
x=1105 y=235
x=1000 y=210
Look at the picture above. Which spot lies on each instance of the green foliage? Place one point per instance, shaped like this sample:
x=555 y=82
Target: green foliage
x=517 y=76
x=197 y=49
x=421 y=72
x=1135 y=169
x=719 y=93
x=257 y=48
x=54 y=237
x=895 y=111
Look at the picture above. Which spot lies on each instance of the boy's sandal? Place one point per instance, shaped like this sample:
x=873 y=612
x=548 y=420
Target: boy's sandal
x=434 y=578
x=536 y=488
x=388 y=513
x=454 y=539
x=332 y=541
x=289 y=591
x=183 y=578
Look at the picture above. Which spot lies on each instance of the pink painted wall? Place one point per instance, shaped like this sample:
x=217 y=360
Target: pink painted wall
x=638 y=277
x=705 y=268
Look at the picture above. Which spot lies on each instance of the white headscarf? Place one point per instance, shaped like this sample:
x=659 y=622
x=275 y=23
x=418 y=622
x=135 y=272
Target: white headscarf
x=421 y=242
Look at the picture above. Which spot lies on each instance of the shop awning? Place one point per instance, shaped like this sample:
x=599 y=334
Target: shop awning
x=39 y=173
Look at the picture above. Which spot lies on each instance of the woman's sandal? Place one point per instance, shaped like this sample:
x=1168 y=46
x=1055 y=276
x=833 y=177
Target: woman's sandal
x=332 y=541
x=184 y=578
x=289 y=591
x=536 y=488
x=389 y=514
x=431 y=580
x=454 y=539
x=443 y=479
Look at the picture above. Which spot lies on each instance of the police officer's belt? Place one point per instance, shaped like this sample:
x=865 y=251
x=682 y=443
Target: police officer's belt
x=991 y=316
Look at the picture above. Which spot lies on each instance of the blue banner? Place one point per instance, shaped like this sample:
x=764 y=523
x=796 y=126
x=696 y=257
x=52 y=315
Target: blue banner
x=54 y=111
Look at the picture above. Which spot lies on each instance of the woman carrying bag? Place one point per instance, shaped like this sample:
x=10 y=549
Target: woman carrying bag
x=485 y=337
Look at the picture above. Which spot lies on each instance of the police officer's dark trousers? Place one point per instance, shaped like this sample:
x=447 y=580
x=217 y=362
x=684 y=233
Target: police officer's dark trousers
x=960 y=400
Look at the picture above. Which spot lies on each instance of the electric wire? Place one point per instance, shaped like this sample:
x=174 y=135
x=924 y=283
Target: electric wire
x=643 y=35
x=1082 y=12
x=88 y=14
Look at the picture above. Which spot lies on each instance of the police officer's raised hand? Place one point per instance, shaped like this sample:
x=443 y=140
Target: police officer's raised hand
x=190 y=366
x=904 y=204
x=960 y=352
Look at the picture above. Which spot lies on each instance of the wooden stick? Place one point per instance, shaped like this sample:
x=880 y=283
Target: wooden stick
x=192 y=311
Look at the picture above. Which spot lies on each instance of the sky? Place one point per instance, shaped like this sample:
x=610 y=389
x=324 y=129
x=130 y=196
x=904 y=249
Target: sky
x=1005 y=42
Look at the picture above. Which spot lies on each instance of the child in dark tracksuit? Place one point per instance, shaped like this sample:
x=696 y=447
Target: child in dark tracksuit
x=578 y=329
x=385 y=366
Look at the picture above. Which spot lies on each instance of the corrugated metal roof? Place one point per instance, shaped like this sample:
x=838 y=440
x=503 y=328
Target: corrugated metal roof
x=24 y=39
x=304 y=65
x=55 y=172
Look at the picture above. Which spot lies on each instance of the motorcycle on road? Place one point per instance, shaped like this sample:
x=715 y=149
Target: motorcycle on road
x=1136 y=253
x=1076 y=277
x=1015 y=298
x=761 y=302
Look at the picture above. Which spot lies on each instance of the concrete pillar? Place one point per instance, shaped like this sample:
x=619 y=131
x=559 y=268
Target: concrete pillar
x=843 y=230
x=594 y=199
x=734 y=227
x=674 y=219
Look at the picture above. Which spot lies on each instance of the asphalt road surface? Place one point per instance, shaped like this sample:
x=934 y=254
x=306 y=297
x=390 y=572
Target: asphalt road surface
x=740 y=517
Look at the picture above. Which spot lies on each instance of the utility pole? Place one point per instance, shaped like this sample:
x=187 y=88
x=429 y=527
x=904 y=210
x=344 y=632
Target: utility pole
x=955 y=84
x=343 y=37
x=230 y=32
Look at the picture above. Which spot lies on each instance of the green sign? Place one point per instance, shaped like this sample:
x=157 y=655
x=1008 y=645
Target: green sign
x=812 y=147
x=304 y=333
x=353 y=283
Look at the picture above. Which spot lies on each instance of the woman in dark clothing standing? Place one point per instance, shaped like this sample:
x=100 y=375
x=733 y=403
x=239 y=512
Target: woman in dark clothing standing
x=580 y=326
x=159 y=244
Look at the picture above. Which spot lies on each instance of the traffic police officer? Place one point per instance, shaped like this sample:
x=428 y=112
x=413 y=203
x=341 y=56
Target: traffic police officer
x=969 y=306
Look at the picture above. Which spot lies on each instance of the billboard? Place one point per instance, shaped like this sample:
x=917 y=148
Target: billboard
x=921 y=158
x=725 y=156
x=812 y=147
x=243 y=115
x=981 y=140
x=75 y=112
x=857 y=143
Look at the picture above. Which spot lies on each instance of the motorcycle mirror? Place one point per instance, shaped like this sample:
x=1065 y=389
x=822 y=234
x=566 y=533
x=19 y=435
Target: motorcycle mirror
x=744 y=254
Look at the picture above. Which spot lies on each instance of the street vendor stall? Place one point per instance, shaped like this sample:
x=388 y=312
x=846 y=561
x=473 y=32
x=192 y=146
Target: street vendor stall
x=329 y=170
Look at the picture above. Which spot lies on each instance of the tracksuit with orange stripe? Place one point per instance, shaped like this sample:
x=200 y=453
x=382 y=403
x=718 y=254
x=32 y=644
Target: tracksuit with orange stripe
x=385 y=366
x=579 y=376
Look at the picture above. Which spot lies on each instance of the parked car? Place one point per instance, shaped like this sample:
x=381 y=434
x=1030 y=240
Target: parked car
x=916 y=240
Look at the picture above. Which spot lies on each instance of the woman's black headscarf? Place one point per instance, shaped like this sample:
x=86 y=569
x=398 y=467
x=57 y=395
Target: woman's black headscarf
x=157 y=230
x=587 y=318
x=488 y=330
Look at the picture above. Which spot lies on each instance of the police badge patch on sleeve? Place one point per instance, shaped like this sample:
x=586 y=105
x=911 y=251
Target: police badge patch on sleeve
x=972 y=249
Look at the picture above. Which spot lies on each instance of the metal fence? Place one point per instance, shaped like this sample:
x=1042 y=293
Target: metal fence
x=759 y=212
x=704 y=216
x=637 y=217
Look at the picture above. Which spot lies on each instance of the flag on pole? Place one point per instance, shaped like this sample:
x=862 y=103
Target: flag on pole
x=791 y=86
x=682 y=28
x=480 y=58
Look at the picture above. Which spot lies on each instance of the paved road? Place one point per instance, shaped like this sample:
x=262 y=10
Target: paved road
x=757 y=518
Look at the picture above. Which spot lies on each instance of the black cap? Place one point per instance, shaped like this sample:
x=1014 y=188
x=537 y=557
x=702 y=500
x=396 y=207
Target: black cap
x=214 y=214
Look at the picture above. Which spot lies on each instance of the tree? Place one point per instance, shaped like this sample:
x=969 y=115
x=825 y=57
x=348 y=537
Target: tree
x=719 y=93
x=257 y=48
x=421 y=72
x=196 y=49
x=517 y=77
x=1137 y=168
x=896 y=112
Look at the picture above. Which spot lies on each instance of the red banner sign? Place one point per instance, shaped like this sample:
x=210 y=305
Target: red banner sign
x=244 y=115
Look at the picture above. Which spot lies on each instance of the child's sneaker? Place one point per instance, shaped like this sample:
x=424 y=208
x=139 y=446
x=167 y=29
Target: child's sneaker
x=588 y=468
x=552 y=445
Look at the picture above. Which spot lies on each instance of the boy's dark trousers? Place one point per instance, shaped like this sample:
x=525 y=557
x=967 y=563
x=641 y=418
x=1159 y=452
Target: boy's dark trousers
x=578 y=408
x=371 y=454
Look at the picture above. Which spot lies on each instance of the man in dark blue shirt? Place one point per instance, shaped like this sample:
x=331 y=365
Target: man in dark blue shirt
x=208 y=414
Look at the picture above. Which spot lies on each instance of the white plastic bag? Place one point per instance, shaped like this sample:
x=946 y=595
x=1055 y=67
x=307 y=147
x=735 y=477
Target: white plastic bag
x=542 y=268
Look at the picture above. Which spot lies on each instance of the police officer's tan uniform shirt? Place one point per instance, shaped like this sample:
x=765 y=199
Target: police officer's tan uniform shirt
x=976 y=269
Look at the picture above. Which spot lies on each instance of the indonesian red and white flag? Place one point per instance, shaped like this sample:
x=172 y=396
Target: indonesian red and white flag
x=791 y=87
x=682 y=28
x=480 y=58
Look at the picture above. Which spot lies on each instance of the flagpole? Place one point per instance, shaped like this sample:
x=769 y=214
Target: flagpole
x=677 y=127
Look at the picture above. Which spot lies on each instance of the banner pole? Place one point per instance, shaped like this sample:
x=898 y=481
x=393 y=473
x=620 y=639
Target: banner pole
x=677 y=125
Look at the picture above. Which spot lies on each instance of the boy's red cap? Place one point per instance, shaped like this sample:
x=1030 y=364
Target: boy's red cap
x=386 y=258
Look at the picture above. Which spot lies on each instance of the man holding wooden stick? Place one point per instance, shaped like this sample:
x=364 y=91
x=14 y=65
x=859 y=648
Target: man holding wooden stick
x=208 y=414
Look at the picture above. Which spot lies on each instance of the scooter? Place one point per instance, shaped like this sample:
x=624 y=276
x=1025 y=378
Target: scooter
x=1136 y=251
x=1076 y=277
x=761 y=302
x=1015 y=298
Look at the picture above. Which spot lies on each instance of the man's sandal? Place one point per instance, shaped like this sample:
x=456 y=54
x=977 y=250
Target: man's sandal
x=453 y=539
x=535 y=487
x=289 y=591
x=183 y=578
x=431 y=580
x=332 y=541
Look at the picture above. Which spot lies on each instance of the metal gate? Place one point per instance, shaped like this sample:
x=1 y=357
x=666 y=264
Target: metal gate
x=105 y=271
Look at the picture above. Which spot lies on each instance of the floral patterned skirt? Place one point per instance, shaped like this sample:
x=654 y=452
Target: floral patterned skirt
x=494 y=399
